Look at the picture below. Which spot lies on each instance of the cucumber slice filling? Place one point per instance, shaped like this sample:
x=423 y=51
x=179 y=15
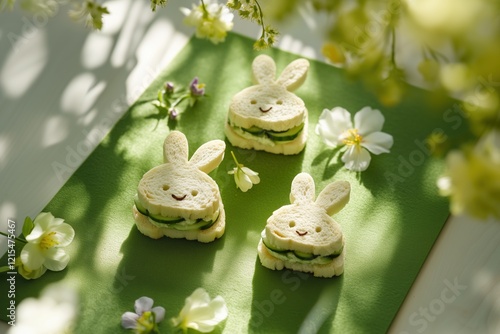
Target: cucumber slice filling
x=277 y=136
x=177 y=223
x=297 y=256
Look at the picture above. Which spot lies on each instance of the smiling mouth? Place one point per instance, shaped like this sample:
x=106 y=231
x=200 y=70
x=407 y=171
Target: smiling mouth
x=265 y=110
x=301 y=233
x=178 y=198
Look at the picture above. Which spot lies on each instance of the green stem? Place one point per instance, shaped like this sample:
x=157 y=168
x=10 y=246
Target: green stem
x=235 y=160
x=17 y=238
x=205 y=12
x=393 y=47
x=261 y=20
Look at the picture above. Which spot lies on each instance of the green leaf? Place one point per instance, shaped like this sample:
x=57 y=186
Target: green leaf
x=27 y=226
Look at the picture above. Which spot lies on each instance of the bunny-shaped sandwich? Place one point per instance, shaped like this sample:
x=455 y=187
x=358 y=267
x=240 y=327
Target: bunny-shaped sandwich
x=268 y=116
x=178 y=199
x=302 y=236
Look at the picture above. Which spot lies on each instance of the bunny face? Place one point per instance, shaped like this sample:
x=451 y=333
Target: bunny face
x=306 y=225
x=177 y=191
x=181 y=187
x=270 y=103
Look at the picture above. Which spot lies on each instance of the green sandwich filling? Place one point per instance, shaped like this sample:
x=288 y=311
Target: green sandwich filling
x=275 y=136
x=177 y=223
x=297 y=256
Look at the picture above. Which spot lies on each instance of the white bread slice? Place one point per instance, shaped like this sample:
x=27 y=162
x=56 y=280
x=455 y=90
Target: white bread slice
x=159 y=185
x=287 y=148
x=285 y=109
x=334 y=268
x=305 y=226
x=182 y=188
x=320 y=234
x=270 y=105
x=214 y=232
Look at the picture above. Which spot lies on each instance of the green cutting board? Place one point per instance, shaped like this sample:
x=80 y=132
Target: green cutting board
x=390 y=224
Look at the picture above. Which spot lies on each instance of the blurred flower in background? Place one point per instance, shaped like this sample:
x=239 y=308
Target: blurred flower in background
x=54 y=312
x=211 y=20
x=472 y=179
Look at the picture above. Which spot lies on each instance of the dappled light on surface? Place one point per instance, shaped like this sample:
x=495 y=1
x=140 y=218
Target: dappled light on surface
x=55 y=130
x=113 y=23
x=4 y=143
x=139 y=16
x=24 y=64
x=81 y=93
x=96 y=50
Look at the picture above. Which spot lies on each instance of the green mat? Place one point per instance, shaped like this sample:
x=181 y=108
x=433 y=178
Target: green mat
x=390 y=224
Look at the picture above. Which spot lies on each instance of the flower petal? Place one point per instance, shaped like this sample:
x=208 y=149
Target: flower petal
x=143 y=304
x=218 y=304
x=31 y=274
x=31 y=257
x=356 y=158
x=378 y=142
x=56 y=259
x=64 y=234
x=242 y=181
x=253 y=176
x=129 y=320
x=36 y=233
x=331 y=125
x=368 y=120
x=159 y=313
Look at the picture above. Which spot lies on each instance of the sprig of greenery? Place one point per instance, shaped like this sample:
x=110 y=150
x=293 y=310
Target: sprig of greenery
x=90 y=13
x=251 y=10
x=158 y=3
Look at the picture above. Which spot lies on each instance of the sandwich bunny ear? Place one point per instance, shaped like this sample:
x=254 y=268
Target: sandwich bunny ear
x=208 y=156
x=263 y=69
x=175 y=148
x=303 y=189
x=334 y=197
x=294 y=75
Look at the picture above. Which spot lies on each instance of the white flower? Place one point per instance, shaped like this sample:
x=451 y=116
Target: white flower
x=212 y=20
x=201 y=313
x=336 y=129
x=244 y=177
x=145 y=318
x=45 y=242
x=54 y=312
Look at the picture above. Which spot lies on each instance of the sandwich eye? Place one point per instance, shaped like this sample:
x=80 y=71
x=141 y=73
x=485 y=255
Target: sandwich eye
x=194 y=192
x=291 y=224
x=165 y=187
x=253 y=101
x=318 y=229
x=279 y=102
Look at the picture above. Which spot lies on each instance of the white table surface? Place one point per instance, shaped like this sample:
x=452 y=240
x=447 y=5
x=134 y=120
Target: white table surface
x=61 y=84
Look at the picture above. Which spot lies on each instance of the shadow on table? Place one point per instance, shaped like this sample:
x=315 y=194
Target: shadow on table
x=307 y=303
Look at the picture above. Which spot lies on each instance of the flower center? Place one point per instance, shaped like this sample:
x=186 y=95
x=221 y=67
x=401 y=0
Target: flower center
x=48 y=241
x=146 y=322
x=352 y=137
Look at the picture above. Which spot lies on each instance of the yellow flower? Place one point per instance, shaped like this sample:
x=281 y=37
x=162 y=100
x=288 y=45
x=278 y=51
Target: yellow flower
x=472 y=180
